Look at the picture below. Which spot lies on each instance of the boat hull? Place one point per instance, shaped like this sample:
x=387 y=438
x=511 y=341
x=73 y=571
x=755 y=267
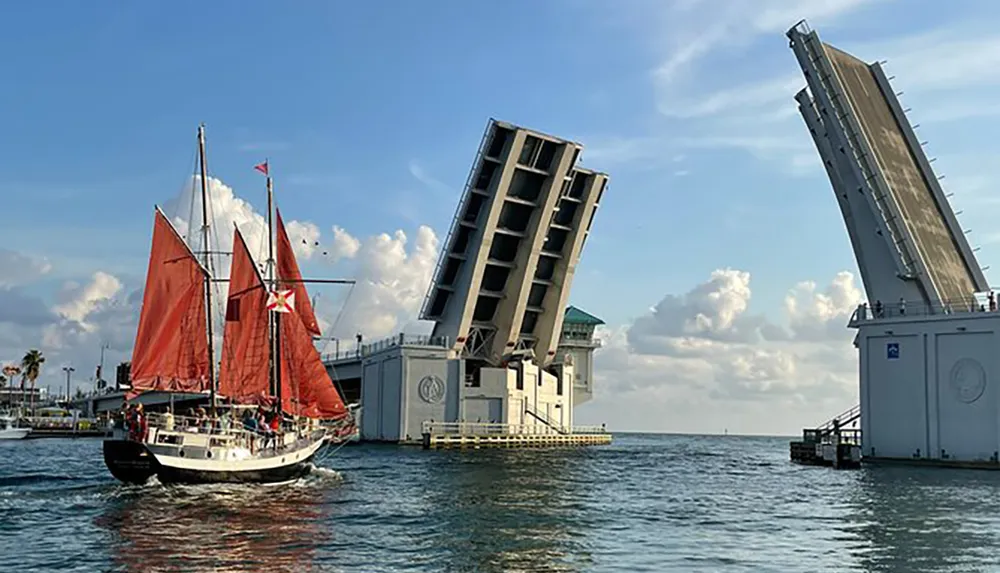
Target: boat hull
x=277 y=474
x=130 y=462
x=14 y=433
x=180 y=462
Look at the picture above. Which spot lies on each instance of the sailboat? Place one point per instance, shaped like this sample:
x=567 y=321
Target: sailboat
x=268 y=364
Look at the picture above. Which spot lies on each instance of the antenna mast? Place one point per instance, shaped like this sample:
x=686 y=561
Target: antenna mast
x=208 y=263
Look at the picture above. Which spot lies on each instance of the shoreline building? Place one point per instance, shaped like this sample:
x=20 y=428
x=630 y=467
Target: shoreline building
x=501 y=360
x=929 y=332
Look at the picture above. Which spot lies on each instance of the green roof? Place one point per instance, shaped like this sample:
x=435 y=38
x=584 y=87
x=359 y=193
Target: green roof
x=577 y=316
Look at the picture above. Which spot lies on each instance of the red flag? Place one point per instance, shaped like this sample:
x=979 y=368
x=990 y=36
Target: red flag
x=262 y=167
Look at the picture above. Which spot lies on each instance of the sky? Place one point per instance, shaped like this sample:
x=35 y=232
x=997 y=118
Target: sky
x=718 y=258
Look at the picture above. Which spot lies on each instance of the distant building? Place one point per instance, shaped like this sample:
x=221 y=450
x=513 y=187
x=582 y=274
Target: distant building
x=578 y=341
x=13 y=395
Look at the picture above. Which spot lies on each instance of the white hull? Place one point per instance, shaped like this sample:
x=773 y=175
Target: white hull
x=192 y=457
x=14 y=433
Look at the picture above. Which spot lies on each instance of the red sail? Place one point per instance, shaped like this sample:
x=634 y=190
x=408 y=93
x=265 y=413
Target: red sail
x=244 y=373
x=306 y=388
x=288 y=270
x=171 y=345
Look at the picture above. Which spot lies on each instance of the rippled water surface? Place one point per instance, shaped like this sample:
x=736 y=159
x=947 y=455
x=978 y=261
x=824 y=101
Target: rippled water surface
x=647 y=503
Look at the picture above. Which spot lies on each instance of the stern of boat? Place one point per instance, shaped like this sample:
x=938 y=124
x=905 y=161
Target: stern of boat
x=129 y=461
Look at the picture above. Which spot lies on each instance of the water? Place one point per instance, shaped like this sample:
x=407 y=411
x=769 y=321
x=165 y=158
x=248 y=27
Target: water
x=647 y=503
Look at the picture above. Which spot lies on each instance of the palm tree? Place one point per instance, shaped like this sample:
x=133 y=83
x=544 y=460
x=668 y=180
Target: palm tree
x=10 y=371
x=31 y=367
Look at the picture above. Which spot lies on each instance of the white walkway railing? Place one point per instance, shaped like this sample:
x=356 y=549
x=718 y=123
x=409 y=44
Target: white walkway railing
x=483 y=428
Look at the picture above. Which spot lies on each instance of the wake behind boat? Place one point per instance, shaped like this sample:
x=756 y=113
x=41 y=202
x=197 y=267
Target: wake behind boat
x=269 y=365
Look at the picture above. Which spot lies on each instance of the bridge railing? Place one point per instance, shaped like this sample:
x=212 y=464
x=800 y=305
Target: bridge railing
x=971 y=305
x=401 y=339
x=817 y=436
x=487 y=428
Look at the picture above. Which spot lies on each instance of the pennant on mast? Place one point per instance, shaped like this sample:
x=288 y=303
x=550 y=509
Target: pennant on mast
x=262 y=167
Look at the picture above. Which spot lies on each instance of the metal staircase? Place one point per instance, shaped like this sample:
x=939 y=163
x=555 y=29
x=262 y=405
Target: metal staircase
x=543 y=418
x=842 y=420
x=831 y=443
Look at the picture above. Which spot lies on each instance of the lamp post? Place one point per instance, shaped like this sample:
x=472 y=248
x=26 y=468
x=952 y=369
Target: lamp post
x=100 y=367
x=69 y=372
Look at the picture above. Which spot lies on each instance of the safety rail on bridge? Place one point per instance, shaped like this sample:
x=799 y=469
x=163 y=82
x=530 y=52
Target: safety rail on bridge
x=498 y=435
x=401 y=339
x=902 y=309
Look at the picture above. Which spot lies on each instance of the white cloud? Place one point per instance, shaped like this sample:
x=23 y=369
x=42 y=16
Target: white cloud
x=19 y=269
x=701 y=85
x=947 y=59
x=702 y=357
x=391 y=279
x=741 y=99
x=392 y=273
x=304 y=238
x=419 y=173
x=344 y=246
x=821 y=315
x=703 y=28
x=79 y=301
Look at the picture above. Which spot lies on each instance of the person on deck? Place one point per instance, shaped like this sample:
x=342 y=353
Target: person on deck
x=250 y=421
x=137 y=424
x=128 y=418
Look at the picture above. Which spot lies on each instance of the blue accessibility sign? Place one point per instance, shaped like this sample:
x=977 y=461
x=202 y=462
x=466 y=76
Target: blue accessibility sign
x=892 y=351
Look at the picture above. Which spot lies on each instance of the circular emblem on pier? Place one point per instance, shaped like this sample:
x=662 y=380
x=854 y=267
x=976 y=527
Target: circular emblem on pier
x=968 y=380
x=431 y=389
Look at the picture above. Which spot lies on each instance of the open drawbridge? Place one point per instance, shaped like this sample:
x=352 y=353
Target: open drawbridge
x=929 y=334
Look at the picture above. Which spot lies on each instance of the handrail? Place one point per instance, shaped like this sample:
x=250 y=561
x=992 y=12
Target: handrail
x=455 y=221
x=544 y=418
x=845 y=417
x=485 y=428
x=879 y=310
x=401 y=339
x=881 y=198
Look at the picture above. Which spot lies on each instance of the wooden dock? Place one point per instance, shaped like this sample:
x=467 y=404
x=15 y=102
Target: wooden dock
x=839 y=455
x=37 y=433
x=830 y=444
x=441 y=435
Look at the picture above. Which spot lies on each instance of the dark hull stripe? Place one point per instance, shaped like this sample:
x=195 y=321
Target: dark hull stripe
x=293 y=471
x=131 y=462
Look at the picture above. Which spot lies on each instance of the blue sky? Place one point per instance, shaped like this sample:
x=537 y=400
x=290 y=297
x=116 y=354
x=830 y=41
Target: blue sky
x=370 y=114
x=344 y=97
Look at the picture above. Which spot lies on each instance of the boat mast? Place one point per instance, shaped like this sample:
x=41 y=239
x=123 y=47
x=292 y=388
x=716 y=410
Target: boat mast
x=207 y=262
x=272 y=285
